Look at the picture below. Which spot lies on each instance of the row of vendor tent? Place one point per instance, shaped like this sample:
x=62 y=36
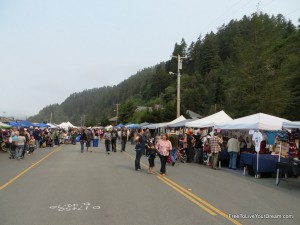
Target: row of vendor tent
x=131 y=125
x=26 y=124
x=221 y=120
x=181 y=121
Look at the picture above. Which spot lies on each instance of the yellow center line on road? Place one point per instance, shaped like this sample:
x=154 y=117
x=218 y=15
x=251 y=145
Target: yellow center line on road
x=29 y=168
x=188 y=197
x=192 y=197
x=202 y=201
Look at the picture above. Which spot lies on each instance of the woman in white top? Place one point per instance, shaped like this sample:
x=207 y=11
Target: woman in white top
x=21 y=143
x=164 y=147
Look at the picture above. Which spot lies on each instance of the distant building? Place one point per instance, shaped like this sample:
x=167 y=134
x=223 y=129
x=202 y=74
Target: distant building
x=143 y=108
x=6 y=119
x=113 y=121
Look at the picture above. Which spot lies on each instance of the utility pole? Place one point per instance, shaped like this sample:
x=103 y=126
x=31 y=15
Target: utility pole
x=179 y=67
x=51 y=117
x=117 y=112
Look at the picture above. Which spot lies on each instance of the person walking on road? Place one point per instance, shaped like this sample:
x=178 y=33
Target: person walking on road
x=174 y=141
x=124 y=138
x=164 y=147
x=82 y=139
x=21 y=144
x=107 y=139
x=89 y=138
x=233 y=150
x=139 y=148
x=151 y=153
x=114 y=136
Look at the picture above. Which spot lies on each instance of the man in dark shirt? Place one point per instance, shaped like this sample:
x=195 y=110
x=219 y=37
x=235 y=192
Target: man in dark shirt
x=124 y=138
x=190 y=147
x=139 y=148
x=114 y=136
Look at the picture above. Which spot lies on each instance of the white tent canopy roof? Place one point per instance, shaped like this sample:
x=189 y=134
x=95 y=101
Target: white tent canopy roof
x=179 y=119
x=154 y=126
x=66 y=125
x=209 y=121
x=4 y=125
x=259 y=121
x=290 y=125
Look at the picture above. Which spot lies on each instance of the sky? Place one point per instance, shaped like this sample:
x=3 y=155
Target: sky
x=50 y=49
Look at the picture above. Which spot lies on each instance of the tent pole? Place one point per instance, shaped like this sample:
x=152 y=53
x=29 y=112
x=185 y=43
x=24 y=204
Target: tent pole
x=277 y=178
x=257 y=162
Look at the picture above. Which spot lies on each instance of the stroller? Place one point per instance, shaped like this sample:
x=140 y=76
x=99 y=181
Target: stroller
x=206 y=155
x=181 y=155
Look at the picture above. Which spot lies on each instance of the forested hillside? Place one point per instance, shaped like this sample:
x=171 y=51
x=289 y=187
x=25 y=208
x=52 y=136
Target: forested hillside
x=247 y=66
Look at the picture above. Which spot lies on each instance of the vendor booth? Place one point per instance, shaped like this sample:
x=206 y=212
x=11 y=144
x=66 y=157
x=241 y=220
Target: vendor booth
x=291 y=166
x=263 y=128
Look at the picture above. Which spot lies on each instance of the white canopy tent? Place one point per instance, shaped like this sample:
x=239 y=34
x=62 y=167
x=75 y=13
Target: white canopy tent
x=290 y=125
x=154 y=126
x=179 y=119
x=259 y=121
x=209 y=121
x=66 y=125
x=4 y=125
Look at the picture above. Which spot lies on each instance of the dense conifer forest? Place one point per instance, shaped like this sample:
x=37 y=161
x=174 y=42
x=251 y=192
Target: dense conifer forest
x=247 y=66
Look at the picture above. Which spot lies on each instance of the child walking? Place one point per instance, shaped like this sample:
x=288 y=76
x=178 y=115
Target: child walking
x=151 y=153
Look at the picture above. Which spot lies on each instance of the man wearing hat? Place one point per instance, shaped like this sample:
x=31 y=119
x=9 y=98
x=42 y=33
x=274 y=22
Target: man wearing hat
x=174 y=139
x=107 y=138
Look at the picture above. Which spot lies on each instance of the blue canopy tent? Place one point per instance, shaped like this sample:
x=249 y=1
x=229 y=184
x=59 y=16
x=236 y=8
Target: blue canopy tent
x=14 y=124
x=21 y=123
x=119 y=126
x=142 y=125
x=129 y=123
x=41 y=125
x=133 y=126
x=25 y=123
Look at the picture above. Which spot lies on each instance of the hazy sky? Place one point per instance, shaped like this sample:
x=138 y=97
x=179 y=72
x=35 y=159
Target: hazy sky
x=50 y=49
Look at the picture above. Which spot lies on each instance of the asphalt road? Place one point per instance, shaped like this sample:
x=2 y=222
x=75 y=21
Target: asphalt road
x=62 y=186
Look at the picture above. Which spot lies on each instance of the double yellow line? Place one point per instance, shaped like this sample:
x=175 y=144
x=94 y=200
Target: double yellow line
x=207 y=207
x=29 y=168
x=197 y=200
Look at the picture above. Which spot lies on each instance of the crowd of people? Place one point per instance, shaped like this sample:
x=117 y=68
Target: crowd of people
x=183 y=145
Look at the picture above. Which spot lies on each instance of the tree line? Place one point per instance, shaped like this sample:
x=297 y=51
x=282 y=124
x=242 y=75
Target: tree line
x=248 y=66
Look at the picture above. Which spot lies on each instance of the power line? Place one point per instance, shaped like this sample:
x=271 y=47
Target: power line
x=292 y=12
x=224 y=13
